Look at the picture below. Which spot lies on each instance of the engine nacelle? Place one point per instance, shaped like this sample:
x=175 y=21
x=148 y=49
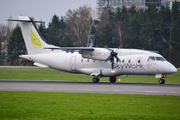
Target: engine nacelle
x=97 y=54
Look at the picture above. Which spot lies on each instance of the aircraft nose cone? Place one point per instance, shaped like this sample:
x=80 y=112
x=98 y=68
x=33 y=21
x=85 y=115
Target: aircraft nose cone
x=172 y=69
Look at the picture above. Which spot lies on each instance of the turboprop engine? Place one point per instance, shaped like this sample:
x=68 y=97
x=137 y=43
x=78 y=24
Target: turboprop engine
x=101 y=54
x=97 y=54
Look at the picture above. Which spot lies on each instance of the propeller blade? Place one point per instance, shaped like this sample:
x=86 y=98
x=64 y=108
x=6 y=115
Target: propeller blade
x=112 y=63
x=117 y=59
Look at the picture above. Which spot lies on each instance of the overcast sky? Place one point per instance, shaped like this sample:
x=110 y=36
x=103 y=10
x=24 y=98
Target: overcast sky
x=39 y=9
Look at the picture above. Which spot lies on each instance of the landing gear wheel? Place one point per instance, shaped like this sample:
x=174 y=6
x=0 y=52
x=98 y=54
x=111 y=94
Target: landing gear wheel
x=161 y=81
x=112 y=79
x=95 y=80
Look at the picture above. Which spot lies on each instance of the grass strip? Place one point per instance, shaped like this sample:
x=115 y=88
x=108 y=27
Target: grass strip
x=87 y=106
x=51 y=74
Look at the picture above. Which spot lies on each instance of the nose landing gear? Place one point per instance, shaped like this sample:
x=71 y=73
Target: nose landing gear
x=161 y=81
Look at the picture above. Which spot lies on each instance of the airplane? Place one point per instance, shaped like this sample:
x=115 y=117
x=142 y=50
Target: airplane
x=93 y=61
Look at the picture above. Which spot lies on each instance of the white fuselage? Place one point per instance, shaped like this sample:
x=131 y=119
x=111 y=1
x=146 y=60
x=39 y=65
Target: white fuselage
x=132 y=62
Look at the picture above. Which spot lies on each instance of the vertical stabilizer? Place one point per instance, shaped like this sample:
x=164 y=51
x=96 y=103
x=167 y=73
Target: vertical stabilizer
x=33 y=40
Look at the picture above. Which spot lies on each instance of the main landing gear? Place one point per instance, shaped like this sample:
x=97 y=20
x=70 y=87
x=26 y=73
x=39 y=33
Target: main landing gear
x=111 y=79
x=95 y=80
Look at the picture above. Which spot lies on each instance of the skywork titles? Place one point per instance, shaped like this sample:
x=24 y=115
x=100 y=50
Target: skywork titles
x=129 y=65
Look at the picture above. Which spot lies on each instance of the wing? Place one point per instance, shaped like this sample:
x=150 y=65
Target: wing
x=87 y=52
x=73 y=49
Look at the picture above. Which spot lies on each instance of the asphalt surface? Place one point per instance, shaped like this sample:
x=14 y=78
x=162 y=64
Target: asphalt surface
x=89 y=87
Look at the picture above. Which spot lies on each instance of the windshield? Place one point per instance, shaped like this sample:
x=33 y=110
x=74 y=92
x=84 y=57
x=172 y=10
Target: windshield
x=160 y=59
x=152 y=58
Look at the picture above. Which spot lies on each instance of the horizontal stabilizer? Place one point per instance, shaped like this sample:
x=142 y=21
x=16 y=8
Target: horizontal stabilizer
x=24 y=21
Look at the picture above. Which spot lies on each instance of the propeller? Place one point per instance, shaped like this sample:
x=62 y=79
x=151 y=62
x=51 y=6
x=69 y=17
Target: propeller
x=111 y=57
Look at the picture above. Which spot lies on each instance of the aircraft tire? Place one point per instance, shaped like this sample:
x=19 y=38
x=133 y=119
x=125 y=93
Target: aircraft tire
x=112 y=79
x=95 y=80
x=161 y=81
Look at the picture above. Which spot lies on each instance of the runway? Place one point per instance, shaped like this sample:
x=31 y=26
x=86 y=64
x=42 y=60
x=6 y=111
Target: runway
x=89 y=87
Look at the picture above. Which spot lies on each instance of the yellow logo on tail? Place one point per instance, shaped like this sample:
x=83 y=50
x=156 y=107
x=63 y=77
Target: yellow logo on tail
x=35 y=40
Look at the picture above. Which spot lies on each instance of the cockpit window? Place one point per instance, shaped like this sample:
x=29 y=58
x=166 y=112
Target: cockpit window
x=151 y=58
x=160 y=59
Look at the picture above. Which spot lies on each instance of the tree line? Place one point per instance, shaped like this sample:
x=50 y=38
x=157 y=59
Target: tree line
x=154 y=29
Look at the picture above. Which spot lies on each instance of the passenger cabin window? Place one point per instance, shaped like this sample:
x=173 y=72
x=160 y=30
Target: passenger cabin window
x=139 y=61
x=129 y=61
